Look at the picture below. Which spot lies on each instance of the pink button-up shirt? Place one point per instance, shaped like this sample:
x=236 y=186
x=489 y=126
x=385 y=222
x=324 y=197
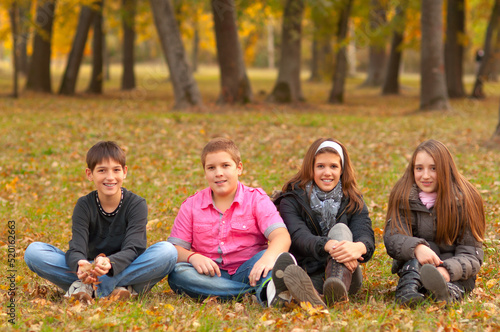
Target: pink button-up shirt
x=232 y=238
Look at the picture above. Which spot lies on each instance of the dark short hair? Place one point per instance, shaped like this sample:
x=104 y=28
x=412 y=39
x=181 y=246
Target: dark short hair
x=104 y=150
x=221 y=144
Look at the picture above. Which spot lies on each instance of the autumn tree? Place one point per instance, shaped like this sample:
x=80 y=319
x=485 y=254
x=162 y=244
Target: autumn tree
x=14 y=23
x=339 y=76
x=482 y=73
x=96 y=79
x=454 y=48
x=185 y=87
x=433 y=91
x=288 y=87
x=75 y=56
x=39 y=69
x=23 y=8
x=129 y=10
x=376 y=36
x=391 y=80
x=234 y=82
x=496 y=134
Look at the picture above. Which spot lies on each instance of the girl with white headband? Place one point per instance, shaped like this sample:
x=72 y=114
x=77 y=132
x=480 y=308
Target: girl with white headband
x=329 y=225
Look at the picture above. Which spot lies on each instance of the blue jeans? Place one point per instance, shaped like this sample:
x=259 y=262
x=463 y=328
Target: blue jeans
x=142 y=274
x=186 y=280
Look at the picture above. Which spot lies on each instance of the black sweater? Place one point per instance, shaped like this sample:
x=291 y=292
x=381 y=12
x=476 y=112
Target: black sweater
x=121 y=238
x=305 y=230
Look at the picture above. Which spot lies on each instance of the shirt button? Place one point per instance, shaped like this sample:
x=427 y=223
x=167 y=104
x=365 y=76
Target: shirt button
x=222 y=243
x=244 y=226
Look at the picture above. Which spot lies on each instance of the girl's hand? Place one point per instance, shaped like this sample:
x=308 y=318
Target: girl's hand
x=444 y=273
x=345 y=251
x=352 y=265
x=204 y=265
x=330 y=244
x=261 y=268
x=102 y=266
x=426 y=255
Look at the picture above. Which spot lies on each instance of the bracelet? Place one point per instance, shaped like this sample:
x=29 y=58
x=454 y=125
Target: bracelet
x=194 y=253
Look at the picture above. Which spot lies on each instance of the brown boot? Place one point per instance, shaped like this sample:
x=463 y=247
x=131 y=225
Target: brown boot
x=337 y=283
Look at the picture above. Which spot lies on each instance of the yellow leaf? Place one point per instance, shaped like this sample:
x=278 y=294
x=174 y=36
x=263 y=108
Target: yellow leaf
x=490 y=283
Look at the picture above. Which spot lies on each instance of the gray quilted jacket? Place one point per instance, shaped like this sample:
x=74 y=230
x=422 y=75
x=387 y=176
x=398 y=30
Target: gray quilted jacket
x=462 y=259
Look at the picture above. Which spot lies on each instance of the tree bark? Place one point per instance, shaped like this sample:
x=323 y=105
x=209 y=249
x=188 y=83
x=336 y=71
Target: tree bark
x=391 y=82
x=453 y=48
x=496 y=134
x=39 y=69
x=288 y=86
x=482 y=73
x=22 y=42
x=95 y=85
x=433 y=91
x=235 y=85
x=128 y=23
x=14 y=23
x=377 y=55
x=185 y=88
x=75 y=56
x=337 y=92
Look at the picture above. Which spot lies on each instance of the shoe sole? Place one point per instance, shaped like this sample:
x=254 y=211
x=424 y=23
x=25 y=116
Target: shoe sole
x=300 y=286
x=335 y=290
x=82 y=296
x=434 y=282
x=120 y=295
x=284 y=260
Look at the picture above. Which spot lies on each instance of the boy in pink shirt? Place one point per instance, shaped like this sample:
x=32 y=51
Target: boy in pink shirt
x=228 y=235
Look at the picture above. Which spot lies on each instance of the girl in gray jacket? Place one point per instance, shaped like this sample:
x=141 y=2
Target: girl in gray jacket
x=435 y=228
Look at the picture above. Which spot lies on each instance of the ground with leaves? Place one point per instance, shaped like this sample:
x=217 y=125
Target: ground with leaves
x=44 y=140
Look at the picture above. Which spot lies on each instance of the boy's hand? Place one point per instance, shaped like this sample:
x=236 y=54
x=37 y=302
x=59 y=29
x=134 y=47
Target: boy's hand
x=204 y=265
x=85 y=273
x=426 y=255
x=261 y=268
x=102 y=266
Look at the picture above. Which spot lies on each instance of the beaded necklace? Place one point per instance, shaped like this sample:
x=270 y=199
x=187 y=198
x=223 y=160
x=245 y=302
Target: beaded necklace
x=104 y=213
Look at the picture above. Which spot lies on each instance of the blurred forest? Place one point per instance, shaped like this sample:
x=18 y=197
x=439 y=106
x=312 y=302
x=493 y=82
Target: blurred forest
x=444 y=41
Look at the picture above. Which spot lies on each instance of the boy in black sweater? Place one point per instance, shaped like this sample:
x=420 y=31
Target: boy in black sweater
x=107 y=253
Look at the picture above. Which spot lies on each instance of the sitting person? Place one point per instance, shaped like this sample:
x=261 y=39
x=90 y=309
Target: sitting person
x=107 y=251
x=228 y=235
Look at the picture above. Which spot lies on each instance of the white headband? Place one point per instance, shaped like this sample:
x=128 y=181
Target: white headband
x=335 y=146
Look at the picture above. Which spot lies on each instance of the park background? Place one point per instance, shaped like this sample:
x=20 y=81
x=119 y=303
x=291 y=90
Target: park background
x=45 y=133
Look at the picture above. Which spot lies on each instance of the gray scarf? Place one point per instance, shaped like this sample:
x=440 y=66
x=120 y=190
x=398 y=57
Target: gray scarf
x=325 y=205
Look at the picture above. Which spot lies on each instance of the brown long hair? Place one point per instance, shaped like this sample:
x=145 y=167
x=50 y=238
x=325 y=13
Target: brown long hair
x=348 y=176
x=458 y=204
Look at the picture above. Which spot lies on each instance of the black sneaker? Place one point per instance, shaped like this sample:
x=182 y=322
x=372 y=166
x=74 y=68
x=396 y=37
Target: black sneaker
x=301 y=287
x=284 y=260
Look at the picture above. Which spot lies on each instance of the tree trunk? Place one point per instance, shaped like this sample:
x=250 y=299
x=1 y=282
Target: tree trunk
x=196 y=46
x=433 y=91
x=496 y=134
x=235 y=85
x=14 y=23
x=337 y=92
x=128 y=23
x=75 y=56
x=185 y=88
x=288 y=87
x=495 y=63
x=377 y=54
x=39 y=68
x=453 y=48
x=95 y=85
x=391 y=82
x=482 y=73
x=22 y=42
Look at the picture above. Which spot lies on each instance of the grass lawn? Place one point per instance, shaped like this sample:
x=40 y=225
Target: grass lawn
x=44 y=139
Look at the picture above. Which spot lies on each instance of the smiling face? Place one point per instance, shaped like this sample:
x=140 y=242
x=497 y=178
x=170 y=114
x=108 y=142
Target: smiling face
x=425 y=172
x=327 y=170
x=222 y=173
x=108 y=178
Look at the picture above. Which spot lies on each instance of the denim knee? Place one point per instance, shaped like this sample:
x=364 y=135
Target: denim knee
x=32 y=253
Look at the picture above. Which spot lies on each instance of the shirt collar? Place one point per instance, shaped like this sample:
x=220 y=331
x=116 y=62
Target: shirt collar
x=208 y=201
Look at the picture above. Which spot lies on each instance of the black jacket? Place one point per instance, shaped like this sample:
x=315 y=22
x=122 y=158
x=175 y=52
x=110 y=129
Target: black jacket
x=305 y=231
